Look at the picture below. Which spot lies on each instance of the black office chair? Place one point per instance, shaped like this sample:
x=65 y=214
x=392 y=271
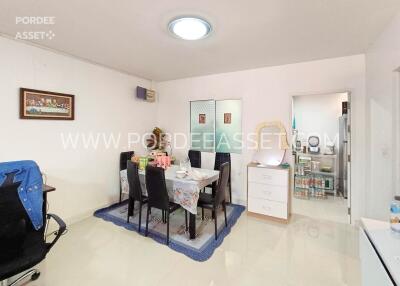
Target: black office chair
x=135 y=191
x=195 y=158
x=123 y=159
x=208 y=201
x=22 y=247
x=158 y=196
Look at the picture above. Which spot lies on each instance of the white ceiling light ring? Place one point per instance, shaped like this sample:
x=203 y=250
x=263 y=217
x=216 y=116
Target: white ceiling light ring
x=189 y=28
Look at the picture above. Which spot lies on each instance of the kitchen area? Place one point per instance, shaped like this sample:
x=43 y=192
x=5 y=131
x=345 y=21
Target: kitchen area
x=321 y=155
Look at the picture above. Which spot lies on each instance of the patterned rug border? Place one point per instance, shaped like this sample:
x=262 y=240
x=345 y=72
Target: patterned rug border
x=204 y=255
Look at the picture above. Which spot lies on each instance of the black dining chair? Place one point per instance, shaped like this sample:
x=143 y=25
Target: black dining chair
x=158 y=196
x=123 y=159
x=221 y=158
x=195 y=158
x=135 y=191
x=208 y=201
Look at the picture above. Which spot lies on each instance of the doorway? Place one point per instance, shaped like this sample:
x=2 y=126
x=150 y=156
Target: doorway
x=321 y=145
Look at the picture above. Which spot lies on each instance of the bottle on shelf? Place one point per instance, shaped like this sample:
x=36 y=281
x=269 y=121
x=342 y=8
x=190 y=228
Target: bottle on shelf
x=395 y=217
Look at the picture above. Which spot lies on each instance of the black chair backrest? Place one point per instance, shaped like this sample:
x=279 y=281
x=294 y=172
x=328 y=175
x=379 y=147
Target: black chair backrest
x=221 y=158
x=224 y=171
x=195 y=158
x=156 y=188
x=135 y=188
x=16 y=230
x=123 y=158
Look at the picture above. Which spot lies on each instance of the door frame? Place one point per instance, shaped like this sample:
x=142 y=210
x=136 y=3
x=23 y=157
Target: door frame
x=396 y=127
x=350 y=122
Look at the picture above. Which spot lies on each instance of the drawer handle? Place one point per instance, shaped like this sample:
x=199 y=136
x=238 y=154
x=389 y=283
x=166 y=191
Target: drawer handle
x=267 y=193
x=267 y=208
x=267 y=177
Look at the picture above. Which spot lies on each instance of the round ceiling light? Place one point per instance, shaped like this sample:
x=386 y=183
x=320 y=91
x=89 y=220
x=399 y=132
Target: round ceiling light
x=189 y=28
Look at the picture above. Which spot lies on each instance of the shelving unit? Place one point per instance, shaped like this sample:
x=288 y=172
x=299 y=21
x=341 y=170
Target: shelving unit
x=314 y=183
x=323 y=173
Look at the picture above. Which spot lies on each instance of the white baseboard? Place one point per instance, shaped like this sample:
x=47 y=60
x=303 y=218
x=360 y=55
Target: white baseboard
x=84 y=215
x=242 y=202
x=77 y=217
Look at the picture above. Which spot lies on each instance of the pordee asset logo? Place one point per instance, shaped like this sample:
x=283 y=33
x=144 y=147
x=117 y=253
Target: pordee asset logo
x=33 y=34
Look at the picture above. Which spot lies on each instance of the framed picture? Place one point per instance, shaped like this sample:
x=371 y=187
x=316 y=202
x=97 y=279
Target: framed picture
x=227 y=118
x=202 y=119
x=202 y=125
x=39 y=104
x=228 y=126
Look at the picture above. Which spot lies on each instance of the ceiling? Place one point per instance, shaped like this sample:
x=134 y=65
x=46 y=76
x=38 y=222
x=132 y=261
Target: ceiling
x=132 y=36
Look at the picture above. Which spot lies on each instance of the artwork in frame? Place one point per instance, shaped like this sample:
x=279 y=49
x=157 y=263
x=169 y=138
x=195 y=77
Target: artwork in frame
x=202 y=125
x=228 y=126
x=202 y=118
x=227 y=118
x=39 y=104
x=216 y=126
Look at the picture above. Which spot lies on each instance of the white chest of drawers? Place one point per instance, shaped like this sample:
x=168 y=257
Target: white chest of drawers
x=268 y=192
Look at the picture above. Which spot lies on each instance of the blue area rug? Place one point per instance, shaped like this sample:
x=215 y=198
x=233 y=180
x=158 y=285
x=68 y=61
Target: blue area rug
x=199 y=249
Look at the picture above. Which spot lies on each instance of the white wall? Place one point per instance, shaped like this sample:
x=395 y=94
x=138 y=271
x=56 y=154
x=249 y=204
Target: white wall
x=86 y=179
x=382 y=60
x=319 y=116
x=267 y=95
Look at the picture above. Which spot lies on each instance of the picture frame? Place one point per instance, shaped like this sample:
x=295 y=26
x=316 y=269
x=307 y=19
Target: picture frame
x=202 y=125
x=228 y=126
x=202 y=118
x=227 y=118
x=46 y=105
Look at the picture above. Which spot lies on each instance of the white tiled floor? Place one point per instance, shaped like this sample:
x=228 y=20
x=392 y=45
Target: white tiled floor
x=305 y=252
x=332 y=209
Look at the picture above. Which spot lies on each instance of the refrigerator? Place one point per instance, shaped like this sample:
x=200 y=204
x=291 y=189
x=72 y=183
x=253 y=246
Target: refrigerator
x=343 y=155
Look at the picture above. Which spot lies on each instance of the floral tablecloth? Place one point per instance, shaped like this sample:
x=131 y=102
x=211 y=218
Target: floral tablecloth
x=181 y=191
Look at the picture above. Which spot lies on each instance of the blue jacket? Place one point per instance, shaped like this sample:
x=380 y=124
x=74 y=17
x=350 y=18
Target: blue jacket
x=30 y=191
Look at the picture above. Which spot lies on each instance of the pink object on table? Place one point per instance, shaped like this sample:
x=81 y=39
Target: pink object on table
x=168 y=161
x=159 y=161
x=163 y=161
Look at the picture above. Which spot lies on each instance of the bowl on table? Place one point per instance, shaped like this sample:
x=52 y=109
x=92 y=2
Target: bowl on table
x=180 y=174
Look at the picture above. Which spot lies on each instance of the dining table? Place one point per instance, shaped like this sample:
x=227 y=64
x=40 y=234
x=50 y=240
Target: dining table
x=183 y=191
